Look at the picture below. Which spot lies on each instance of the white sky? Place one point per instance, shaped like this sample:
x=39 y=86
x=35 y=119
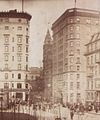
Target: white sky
x=44 y=12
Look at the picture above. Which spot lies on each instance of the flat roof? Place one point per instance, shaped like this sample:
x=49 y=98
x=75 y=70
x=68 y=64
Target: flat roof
x=15 y=14
x=77 y=12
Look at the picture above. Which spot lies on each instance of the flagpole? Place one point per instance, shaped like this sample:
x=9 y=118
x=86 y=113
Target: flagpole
x=22 y=5
x=75 y=4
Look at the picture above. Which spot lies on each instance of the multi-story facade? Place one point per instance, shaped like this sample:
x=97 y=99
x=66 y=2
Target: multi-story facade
x=14 y=53
x=47 y=66
x=71 y=31
x=93 y=69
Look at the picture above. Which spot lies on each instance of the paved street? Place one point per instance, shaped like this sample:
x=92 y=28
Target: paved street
x=53 y=113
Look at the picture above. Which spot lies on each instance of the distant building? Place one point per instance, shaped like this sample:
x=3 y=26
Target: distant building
x=93 y=69
x=35 y=72
x=71 y=31
x=14 y=53
x=47 y=66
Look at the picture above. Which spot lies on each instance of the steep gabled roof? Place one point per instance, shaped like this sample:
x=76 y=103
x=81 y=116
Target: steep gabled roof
x=48 y=39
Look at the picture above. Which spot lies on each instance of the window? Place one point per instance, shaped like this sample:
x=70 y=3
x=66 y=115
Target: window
x=78 y=85
x=78 y=96
x=12 y=85
x=6 y=27
x=78 y=20
x=71 y=67
x=19 y=85
x=26 y=29
x=19 y=58
x=27 y=49
x=77 y=28
x=71 y=97
x=6 y=57
x=71 y=43
x=6 y=39
x=6 y=85
x=12 y=75
x=71 y=52
x=27 y=40
x=19 y=39
x=19 y=48
x=78 y=68
x=26 y=67
x=71 y=28
x=6 y=75
x=77 y=76
x=6 y=66
x=13 y=39
x=71 y=76
x=71 y=20
x=71 y=35
x=26 y=86
x=12 y=49
x=26 y=58
x=6 y=48
x=19 y=76
x=19 y=66
x=19 y=20
x=19 y=28
x=78 y=60
x=12 y=58
x=71 y=59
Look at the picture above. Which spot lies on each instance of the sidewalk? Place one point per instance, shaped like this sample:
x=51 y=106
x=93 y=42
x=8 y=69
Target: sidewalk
x=93 y=112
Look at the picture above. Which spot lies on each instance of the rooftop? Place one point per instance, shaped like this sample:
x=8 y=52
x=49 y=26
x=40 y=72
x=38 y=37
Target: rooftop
x=77 y=12
x=15 y=14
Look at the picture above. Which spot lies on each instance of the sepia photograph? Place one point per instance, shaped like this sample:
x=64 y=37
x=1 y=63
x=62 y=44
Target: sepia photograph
x=49 y=59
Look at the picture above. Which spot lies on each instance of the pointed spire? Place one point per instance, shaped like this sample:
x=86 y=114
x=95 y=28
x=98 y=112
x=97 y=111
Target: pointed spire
x=48 y=38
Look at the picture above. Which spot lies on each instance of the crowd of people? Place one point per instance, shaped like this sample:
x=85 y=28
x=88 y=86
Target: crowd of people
x=55 y=109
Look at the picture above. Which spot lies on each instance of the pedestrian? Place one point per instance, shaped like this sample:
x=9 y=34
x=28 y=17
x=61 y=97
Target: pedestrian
x=71 y=113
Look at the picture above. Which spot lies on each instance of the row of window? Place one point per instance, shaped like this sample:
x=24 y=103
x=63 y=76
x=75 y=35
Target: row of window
x=19 y=39
x=18 y=76
x=88 y=21
x=19 y=67
x=72 y=85
x=19 y=28
x=72 y=60
x=19 y=58
x=19 y=48
x=19 y=85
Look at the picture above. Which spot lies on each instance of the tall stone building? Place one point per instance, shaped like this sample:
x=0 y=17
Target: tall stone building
x=93 y=69
x=14 y=53
x=47 y=66
x=71 y=31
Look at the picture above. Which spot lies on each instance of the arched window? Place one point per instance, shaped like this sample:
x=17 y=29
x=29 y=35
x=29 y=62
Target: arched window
x=19 y=76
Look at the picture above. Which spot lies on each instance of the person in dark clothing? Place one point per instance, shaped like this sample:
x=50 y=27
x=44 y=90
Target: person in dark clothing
x=71 y=113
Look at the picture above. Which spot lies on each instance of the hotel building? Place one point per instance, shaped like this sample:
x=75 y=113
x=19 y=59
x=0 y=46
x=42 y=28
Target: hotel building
x=93 y=69
x=14 y=53
x=71 y=31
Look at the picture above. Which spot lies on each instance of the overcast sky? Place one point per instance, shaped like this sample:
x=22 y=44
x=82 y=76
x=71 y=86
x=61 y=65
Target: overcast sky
x=44 y=12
